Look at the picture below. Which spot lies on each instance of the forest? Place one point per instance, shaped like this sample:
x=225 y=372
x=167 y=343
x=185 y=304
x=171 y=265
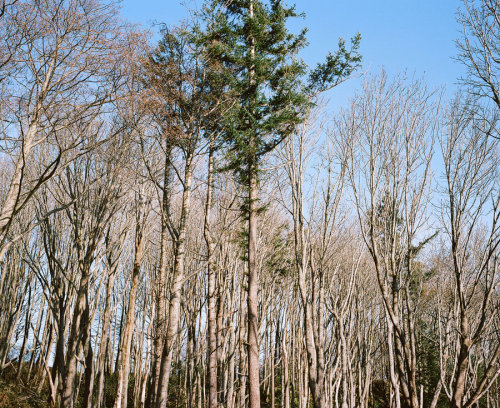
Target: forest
x=186 y=222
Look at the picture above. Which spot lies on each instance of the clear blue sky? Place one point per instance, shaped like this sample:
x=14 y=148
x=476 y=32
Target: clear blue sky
x=416 y=36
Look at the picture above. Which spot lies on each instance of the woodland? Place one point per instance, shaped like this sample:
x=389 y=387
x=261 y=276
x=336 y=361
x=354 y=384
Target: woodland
x=186 y=222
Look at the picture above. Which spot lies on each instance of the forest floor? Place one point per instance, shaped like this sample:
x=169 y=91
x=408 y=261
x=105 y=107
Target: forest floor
x=14 y=393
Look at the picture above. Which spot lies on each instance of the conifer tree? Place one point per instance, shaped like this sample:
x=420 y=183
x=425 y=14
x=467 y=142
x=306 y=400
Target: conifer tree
x=271 y=90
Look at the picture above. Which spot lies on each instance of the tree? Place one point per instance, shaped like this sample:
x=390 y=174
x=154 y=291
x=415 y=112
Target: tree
x=184 y=103
x=257 y=58
x=60 y=66
x=479 y=48
x=472 y=214
x=390 y=130
x=318 y=236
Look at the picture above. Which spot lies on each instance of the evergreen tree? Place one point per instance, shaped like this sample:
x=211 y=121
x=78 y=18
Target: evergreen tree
x=270 y=91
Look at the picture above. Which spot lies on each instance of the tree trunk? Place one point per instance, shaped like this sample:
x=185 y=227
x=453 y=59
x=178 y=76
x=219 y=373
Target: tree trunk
x=124 y=366
x=104 y=343
x=74 y=341
x=253 y=297
x=11 y=200
x=174 y=313
x=212 y=312
x=462 y=363
x=161 y=283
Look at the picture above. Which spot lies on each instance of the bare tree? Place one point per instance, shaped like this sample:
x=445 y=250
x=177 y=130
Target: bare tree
x=62 y=67
x=141 y=210
x=390 y=127
x=479 y=48
x=181 y=105
x=471 y=215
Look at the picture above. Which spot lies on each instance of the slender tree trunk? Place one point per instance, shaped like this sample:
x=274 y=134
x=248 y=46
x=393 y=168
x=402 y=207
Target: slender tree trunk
x=161 y=283
x=36 y=335
x=174 y=313
x=11 y=200
x=74 y=343
x=58 y=365
x=285 y=389
x=253 y=297
x=212 y=307
x=27 y=321
x=230 y=392
x=242 y=380
x=253 y=275
x=89 y=373
x=104 y=343
x=124 y=366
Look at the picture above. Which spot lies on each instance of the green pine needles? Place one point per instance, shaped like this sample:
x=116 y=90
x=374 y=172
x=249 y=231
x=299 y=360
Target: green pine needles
x=269 y=88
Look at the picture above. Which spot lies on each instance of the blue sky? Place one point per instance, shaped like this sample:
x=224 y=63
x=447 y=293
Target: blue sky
x=399 y=35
